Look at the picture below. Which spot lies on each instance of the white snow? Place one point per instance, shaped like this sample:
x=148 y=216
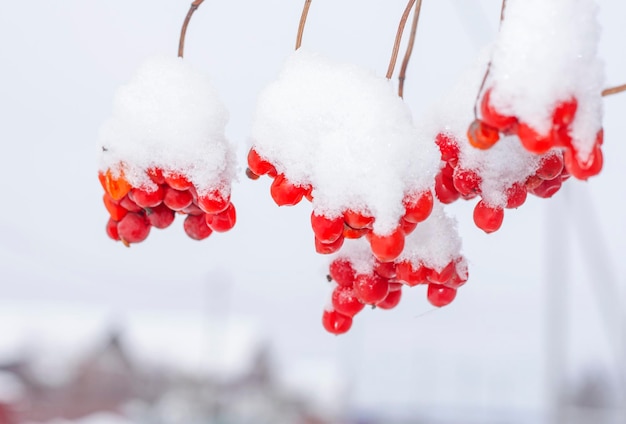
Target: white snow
x=345 y=131
x=547 y=53
x=168 y=116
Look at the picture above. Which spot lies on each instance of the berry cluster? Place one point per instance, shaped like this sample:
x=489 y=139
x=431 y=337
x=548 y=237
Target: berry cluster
x=134 y=210
x=330 y=232
x=483 y=133
x=543 y=178
x=381 y=287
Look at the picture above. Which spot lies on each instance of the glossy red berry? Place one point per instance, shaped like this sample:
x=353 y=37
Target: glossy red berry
x=388 y=247
x=328 y=248
x=178 y=181
x=160 y=216
x=391 y=300
x=481 y=135
x=133 y=228
x=490 y=115
x=444 y=189
x=342 y=272
x=385 y=269
x=488 y=218
x=466 y=181
x=116 y=211
x=195 y=227
x=448 y=147
x=439 y=295
x=418 y=207
x=370 y=288
x=148 y=198
x=547 y=188
x=516 y=195
x=286 y=193
x=357 y=220
x=258 y=165
x=213 y=202
x=335 y=322
x=584 y=170
x=326 y=229
x=442 y=276
x=177 y=200
x=532 y=140
x=550 y=166
x=223 y=221
x=111 y=229
x=346 y=302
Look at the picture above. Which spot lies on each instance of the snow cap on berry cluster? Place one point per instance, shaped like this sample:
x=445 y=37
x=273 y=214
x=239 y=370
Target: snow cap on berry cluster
x=505 y=163
x=547 y=53
x=169 y=116
x=435 y=242
x=345 y=131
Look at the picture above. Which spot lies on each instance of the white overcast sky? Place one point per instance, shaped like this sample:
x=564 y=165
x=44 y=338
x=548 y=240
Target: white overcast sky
x=61 y=64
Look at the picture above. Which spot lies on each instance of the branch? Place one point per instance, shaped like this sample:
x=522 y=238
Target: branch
x=305 y=12
x=409 y=48
x=183 y=32
x=613 y=90
x=396 y=46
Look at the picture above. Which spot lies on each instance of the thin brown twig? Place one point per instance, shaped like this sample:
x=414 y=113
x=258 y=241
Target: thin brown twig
x=305 y=13
x=482 y=83
x=409 y=48
x=396 y=45
x=183 y=31
x=613 y=90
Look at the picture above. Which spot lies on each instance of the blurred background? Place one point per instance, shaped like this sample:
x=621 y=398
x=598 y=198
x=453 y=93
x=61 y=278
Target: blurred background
x=228 y=330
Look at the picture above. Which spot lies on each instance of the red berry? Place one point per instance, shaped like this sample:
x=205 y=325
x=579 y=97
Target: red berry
x=418 y=207
x=482 y=135
x=583 y=171
x=341 y=272
x=354 y=233
x=550 y=166
x=258 y=165
x=147 y=199
x=564 y=113
x=328 y=248
x=223 y=221
x=444 y=189
x=388 y=247
x=357 y=220
x=516 y=195
x=196 y=227
x=156 y=175
x=532 y=140
x=177 y=200
x=336 y=323
x=213 y=202
x=488 y=218
x=116 y=211
x=127 y=203
x=111 y=229
x=391 y=300
x=410 y=275
x=326 y=230
x=443 y=276
x=494 y=118
x=466 y=181
x=133 y=228
x=448 y=147
x=439 y=295
x=177 y=181
x=285 y=193
x=547 y=188
x=370 y=288
x=116 y=187
x=346 y=302
x=385 y=269
x=160 y=216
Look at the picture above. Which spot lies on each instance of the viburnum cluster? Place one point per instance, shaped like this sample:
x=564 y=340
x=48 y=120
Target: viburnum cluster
x=523 y=120
x=163 y=152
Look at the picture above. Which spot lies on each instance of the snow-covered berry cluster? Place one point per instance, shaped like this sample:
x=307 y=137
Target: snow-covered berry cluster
x=164 y=152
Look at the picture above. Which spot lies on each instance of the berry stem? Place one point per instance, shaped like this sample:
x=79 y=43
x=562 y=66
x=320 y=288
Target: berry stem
x=183 y=32
x=305 y=13
x=396 y=45
x=409 y=48
x=613 y=90
x=482 y=83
